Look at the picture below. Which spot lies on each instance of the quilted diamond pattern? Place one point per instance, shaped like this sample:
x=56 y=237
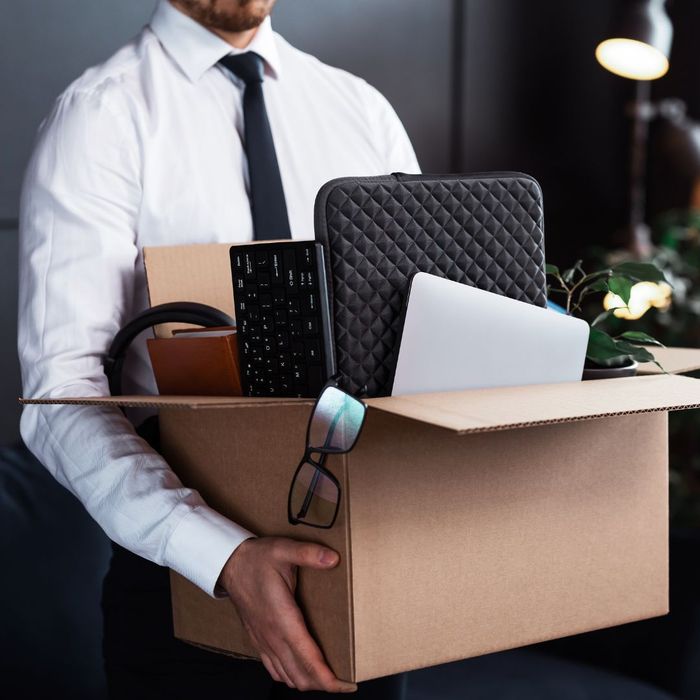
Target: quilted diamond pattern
x=483 y=230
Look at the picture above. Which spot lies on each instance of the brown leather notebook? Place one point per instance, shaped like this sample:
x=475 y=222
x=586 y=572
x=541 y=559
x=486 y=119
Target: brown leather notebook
x=196 y=363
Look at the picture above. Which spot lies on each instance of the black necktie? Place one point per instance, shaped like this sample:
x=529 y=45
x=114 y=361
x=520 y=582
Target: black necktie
x=267 y=201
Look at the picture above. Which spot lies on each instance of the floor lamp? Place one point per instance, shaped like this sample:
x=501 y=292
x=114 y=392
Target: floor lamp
x=638 y=49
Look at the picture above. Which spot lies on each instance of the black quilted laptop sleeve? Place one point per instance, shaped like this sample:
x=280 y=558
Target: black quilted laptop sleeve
x=485 y=230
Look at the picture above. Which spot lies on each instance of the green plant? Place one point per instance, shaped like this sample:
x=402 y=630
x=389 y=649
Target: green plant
x=677 y=253
x=576 y=286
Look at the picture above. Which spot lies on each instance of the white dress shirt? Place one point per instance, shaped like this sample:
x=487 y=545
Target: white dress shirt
x=146 y=150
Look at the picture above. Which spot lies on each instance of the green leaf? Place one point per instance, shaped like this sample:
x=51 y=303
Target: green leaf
x=571 y=272
x=640 y=272
x=552 y=270
x=638 y=353
x=597 y=286
x=622 y=286
x=605 y=314
x=605 y=351
x=636 y=337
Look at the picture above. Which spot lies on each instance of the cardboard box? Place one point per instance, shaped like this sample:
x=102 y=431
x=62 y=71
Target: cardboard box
x=470 y=522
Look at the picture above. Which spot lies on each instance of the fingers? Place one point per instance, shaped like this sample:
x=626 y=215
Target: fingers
x=260 y=578
x=271 y=668
x=276 y=670
x=308 y=554
x=301 y=657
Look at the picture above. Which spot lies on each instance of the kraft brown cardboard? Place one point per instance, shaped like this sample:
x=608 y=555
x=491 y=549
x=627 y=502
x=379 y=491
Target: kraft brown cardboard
x=673 y=360
x=451 y=545
x=476 y=410
x=455 y=541
x=470 y=521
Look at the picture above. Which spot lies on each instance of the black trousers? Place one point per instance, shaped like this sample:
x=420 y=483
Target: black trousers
x=144 y=660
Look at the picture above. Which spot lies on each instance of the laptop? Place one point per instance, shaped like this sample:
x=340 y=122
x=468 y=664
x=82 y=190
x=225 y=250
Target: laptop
x=460 y=337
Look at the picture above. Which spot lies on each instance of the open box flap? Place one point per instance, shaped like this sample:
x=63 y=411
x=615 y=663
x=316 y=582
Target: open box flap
x=473 y=411
x=484 y=410
x=673 y=360
x=192 y=402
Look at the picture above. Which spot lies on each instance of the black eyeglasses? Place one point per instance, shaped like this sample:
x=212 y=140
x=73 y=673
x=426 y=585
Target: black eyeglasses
x=334 y=427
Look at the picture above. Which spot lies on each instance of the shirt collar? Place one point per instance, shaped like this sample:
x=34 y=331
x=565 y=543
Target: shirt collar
x=196 y=49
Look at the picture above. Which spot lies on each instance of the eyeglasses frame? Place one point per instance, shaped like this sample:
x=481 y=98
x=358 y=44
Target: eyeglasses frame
x=319 y=464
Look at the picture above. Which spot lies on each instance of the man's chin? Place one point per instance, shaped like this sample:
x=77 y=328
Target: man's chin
x=225 y=23
x=228 y=15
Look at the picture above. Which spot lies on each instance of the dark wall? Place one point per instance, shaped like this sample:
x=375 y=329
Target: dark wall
x=536 y=100
x=479 y=84
x=400 y=46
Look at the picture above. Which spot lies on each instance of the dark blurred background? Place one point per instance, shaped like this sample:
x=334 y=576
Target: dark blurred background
x=480 y=85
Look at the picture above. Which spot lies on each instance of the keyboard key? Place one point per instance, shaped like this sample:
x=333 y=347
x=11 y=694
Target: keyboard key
x=277 y=275
x=268 y=346
x=293 y=306
x=264 y=280
x=267 y=325
x=309 y=305
x=249 y=267
x=307 y=256
x=306 y=280
x=299 y=375
x=282 y=339
x=290 y=270
x=310 y=326
x=298 y=350
x=286 y=384
x=281 y=317
x=239 y=284
x=279 y=298
x=237 y=262
x=253 y=312
x=295 y=328
x=265 y=301
x=251 y=294
x=262 y=259
x=283 y=363
x=313 y=351
x=272 y=365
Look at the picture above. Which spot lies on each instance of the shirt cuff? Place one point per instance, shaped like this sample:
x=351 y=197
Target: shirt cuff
x=200 y=546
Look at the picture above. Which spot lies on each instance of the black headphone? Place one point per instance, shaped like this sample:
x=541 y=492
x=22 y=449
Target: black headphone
x=173 y=312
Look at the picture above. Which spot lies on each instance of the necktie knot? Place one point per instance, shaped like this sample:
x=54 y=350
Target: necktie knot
x=249 y=67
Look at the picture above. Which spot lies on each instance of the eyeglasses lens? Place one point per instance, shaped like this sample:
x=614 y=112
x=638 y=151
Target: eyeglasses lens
x=336 y=421
x=314 y=497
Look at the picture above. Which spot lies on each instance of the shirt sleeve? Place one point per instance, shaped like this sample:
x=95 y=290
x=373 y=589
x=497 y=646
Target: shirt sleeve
x=390 y=135
x=78 y=253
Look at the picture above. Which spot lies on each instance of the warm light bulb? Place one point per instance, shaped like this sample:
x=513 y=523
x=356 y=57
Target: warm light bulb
x=631 y=59
x=643 y=296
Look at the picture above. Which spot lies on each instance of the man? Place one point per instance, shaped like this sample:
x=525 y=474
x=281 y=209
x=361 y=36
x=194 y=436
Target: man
x=173 y=141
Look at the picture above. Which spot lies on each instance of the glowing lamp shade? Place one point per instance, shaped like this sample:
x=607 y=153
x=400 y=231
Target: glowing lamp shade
x=632 y=59
x=640 y=43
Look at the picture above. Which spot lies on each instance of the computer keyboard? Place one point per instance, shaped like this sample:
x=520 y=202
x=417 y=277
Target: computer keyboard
x=283 y=318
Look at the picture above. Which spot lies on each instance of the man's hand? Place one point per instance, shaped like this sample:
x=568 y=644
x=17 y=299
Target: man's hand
x=260 y=578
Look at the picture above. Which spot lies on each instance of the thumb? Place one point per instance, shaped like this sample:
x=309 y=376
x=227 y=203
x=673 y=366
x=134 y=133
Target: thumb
x=308 y=554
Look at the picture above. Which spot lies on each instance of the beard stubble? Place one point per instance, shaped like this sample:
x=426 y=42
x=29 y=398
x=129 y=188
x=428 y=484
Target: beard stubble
x=243 y=16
